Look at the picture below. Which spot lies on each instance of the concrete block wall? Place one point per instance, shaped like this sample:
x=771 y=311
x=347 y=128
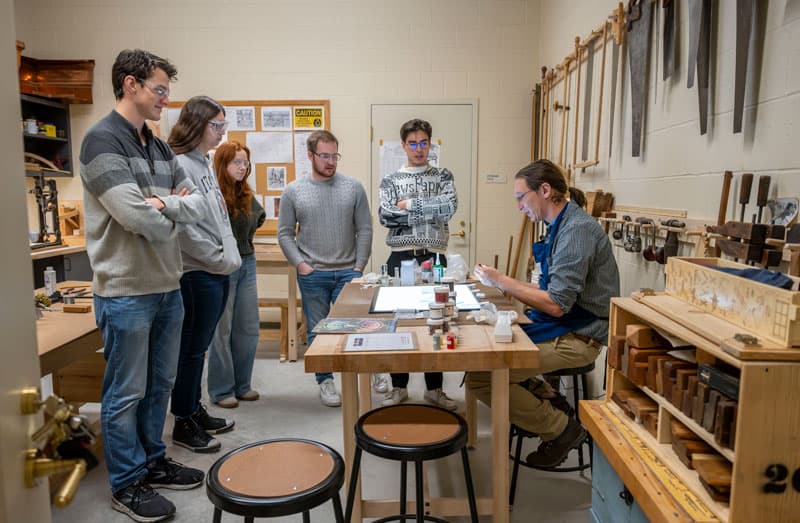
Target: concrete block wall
x=679 y=169
x=349 y=51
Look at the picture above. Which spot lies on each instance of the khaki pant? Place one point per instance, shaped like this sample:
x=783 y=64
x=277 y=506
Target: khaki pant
x=526 y=410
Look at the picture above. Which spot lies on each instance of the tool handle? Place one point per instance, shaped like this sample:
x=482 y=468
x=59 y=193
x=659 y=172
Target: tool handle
x=763 y=190
x=747 y=184
x=723 y=201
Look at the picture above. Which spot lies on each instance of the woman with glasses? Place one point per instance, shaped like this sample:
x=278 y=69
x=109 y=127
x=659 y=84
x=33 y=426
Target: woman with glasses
x=210 y=254
x=233 y=349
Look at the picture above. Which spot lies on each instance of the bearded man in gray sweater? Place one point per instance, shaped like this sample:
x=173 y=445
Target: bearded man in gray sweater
x=330 y=213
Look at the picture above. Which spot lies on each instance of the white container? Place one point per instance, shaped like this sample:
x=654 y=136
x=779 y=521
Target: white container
x=50 y=281
x=407 y=272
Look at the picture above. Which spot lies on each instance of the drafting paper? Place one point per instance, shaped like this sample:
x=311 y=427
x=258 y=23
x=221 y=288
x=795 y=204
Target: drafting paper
x=302 y=165
x=369 y=342
x=418 y=297
x=272 y=147
x=276 y=118
x=276 y=178
x=241 y=118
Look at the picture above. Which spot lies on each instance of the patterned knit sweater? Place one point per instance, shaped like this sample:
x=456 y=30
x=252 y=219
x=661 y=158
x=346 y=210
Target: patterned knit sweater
x=432 y=202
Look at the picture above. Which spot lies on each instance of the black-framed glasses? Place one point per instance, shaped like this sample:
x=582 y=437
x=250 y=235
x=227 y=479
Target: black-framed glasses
x=335 y=157
x=519 y=197
x=418 y=145
x=161 y=92
x=218 y=125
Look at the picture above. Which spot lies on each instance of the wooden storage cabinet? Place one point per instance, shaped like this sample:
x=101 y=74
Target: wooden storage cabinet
x=766 y=458
x=56 y=149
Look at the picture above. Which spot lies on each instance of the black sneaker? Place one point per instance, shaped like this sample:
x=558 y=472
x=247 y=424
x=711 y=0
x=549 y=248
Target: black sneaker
x=188 y=434
x=141 y=503
x=166 y=473
x=211 y=424
x=551 y=454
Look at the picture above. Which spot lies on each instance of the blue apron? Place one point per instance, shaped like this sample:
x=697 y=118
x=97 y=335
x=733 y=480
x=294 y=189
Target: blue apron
x=544 y=326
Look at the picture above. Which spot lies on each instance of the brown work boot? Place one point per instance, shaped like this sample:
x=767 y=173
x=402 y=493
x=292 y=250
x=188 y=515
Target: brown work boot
x=551 y=454
x=560 y=402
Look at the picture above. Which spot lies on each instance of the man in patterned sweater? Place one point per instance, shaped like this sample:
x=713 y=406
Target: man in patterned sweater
x=417 y=201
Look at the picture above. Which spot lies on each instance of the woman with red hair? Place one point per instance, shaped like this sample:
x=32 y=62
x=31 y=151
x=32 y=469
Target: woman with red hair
x=233 y=349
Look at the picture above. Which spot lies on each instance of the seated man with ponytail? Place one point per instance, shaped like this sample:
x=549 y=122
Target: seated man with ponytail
x=569 y=308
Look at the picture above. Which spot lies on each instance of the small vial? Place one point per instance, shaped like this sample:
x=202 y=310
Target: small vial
x=396 y=280
x=384 y=275
x=451 y=341
x=437 y=340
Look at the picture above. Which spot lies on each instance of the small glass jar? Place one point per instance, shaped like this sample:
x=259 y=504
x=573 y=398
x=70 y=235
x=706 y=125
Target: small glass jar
x=433 y=325
x=436 y=311
x=441 y=293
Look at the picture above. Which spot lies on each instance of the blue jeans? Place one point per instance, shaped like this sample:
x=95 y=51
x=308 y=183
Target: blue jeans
x=142 y=337
x=204 y=295
x=319 y=289
x=233 y=348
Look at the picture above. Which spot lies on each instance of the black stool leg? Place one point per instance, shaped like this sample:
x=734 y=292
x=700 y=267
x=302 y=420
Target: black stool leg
x=217 y=515
x=249 y=519
x=576 y=398
x=306 y=517
x=420 y=495
x=337 y=508
x=403 y=489
x=515 y=470
x=351 y=490
x=473 y=507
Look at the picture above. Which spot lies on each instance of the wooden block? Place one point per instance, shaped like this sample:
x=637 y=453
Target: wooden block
x=651 y=423
x=652 y=371
x=681 y=383
x=684 y=448
x=641 y=405
x=667 y=369
x=641 y=355
x=639 y=373
x=615 y=350
x=754 y=233
x=681 y=431
x=689 y=395
x=716 y=493
x=726 y=410
x=642 y=337
x=732 y=436
x=74 y=307
x=699 y=402
x=714 y=469
x=710 y=411
x=624 y=361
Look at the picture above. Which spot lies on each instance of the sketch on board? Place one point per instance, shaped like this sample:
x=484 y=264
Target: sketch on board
x=276 y=178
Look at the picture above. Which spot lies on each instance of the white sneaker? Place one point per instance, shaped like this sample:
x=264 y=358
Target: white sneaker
x=439 y=398
x=380 y=384
x=397 y=396
x=328 y=394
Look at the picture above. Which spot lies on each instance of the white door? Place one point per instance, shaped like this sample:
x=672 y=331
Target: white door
x=21 y=361
x=455 y=129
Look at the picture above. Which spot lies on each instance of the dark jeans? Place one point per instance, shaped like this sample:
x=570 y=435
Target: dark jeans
x=433 y=380
x=204 y=298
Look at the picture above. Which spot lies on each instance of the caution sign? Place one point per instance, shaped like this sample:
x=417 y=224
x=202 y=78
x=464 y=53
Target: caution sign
x=311 y=118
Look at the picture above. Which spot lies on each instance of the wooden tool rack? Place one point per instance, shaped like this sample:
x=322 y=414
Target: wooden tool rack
x=765 y=480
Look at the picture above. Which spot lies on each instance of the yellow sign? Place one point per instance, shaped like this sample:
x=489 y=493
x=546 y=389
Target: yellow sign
x=309 y=118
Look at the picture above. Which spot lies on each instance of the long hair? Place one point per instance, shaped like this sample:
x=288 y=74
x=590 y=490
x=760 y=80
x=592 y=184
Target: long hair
x=545 y=171
x=237 y=194
x=191 y=125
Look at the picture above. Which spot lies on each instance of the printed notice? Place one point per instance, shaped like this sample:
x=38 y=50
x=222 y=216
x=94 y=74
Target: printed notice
x=312 y=118
x=270 y=147
x=391 y=341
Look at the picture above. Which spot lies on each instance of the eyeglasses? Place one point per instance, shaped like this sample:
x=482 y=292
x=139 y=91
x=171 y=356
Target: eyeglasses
x=335 y=157
x=519 y=197
x=218 y=125
x=418 y=145
x=161 y=92
x=242 y=163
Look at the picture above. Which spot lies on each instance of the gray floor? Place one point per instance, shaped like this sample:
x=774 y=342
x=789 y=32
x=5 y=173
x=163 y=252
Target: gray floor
x=289 y=406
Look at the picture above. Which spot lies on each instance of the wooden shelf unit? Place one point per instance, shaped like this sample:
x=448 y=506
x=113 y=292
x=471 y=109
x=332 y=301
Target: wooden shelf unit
x=767 y=431
x=54 y=148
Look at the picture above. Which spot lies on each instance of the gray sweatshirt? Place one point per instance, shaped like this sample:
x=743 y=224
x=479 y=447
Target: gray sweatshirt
x=207 y=244
x=334 y=226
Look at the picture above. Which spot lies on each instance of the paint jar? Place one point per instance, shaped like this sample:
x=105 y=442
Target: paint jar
x=437 y=340
x=441 y=293
x=31 y=126
x=433 y=325
x=451 y=341
x=449 y=308
x=450 y=282
x=436 y=311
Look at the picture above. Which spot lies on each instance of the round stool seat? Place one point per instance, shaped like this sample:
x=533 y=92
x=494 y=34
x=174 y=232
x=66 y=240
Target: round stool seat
x=575 y=371
x=410 y=432
x=275 y=477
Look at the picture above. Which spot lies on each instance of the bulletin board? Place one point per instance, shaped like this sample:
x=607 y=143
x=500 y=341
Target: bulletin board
x=275 y=131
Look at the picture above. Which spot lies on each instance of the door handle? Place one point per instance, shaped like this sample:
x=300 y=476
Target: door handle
x=460 y=233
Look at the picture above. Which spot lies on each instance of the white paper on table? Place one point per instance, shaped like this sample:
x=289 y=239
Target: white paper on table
x=241 y=118
x=272 y=147
x=383 y=341
x=393 y=157
x=418 y=298
x=302 y=165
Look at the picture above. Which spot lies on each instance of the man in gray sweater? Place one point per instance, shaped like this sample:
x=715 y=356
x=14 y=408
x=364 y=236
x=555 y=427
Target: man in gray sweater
x=136 y=195
x=330 y=213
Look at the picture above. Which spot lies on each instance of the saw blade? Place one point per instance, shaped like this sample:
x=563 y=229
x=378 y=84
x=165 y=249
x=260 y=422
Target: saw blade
x=695 y=14
x=669 y=39
x=744 y=27
x=638 y=57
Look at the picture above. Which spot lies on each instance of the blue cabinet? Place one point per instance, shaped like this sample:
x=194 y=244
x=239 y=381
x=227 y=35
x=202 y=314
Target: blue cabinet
x=611 y=501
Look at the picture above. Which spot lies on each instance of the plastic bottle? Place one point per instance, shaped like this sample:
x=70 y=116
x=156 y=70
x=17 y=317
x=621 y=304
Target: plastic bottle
x=438 y=270
x=50 y=281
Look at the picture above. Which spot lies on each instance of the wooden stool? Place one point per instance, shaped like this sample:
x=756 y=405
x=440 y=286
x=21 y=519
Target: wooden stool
x=576 y=374
x=415 y=433
x=274 y=478
x=283 y=305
